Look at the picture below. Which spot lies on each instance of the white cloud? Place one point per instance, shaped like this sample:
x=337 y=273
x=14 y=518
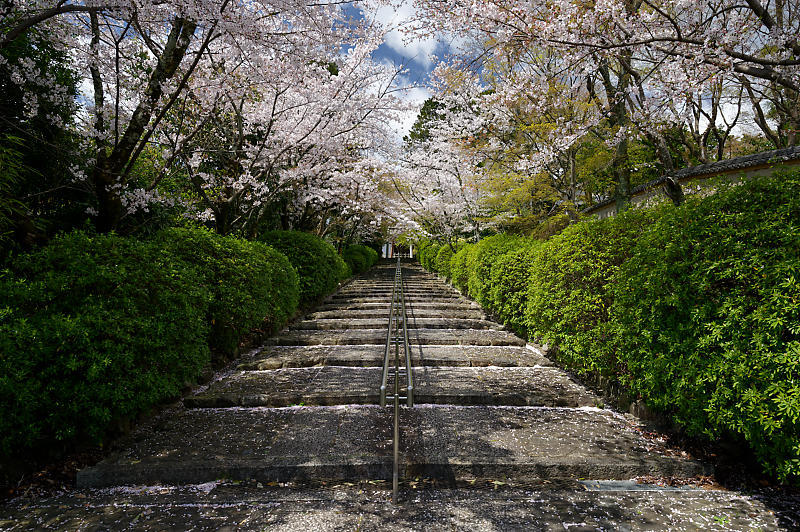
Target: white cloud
x=397 y=18
x=415 y=96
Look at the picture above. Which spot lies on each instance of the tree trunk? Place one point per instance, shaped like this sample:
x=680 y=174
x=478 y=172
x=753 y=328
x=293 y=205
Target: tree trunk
x=108 y=174
x=618 y=117
x=672 y=186
x=622 y=173
x=109 y=203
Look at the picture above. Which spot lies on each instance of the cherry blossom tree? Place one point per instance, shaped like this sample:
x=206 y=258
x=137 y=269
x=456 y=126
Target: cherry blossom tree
x=643 y=63
x=170 y=75
x=297 y=140
x=440 y=172
x=748 y=38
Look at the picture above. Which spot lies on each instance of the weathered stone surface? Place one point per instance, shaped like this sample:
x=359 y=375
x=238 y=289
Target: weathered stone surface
x=447 y=443
x=385 y=300
x=359 y=291
x=225 y=506
x=451 y=304
x=466 y=313
x=274 y=357
x=536 y=386
x=377 y=323
x=378 y=336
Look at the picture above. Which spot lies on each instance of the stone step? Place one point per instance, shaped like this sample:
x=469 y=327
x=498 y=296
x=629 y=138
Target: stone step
x=354 y=442
x=408 y=281
x=418 y=313
x=378 y=336
x=273 y=357
x=433 y=289
x=411 y=323
x=408 y=285
x=332 y=385
x=411 y=306
x=370 y=294
x=386 y=299
x=373 y=294
x=226 y=505
x=387 y=279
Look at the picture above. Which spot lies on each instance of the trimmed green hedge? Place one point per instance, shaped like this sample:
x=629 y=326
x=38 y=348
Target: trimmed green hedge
x=508 y=286
x=481 y=258
x=371 y=253
x=427 y=254
x=355 y=260
x=442 y=262
x=95 y=330
x=359 y=258
x=252 y=284
x=695 y=309
x=459 y=273
x=707 y=316
x=319 y=266
x=570 y=290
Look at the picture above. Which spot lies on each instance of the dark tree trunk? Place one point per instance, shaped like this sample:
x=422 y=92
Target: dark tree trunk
x=622 y=173
x=109 y=203
x=672 y=186
x=108 y=174
x=674 y=190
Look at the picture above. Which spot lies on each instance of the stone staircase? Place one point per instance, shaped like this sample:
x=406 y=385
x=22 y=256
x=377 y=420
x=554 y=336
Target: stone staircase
x=293 y=437
x=488 y=407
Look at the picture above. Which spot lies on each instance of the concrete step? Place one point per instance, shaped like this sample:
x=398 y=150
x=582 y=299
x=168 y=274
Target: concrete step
x=331 y=385
x=411 y=306
x=249 y=506
x=273 y=357
x=408 y=288
x=411 y=323
x=418 y=313
x=378 y=337
x=353 y=442
x=386 y=299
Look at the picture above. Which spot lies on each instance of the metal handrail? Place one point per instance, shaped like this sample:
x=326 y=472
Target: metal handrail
x=385 y=373
x=407 y=350
x=397 y=332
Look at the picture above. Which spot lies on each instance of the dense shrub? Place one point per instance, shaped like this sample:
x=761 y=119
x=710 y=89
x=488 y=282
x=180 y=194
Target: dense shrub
x=458 y=267
x=370 y=253
x=318 y=265
x=708 y=312
x=551 y=226
x=508 y=287
x=480 y=260
x=94 y=330
x=696 y=309
x=570 y=289
x=427 y=255
x=420 y=246
x=251 y=283
x=359 y=258
x=355 y=259
x=441 y=264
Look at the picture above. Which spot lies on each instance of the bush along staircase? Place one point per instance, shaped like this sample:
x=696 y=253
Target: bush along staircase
x=295 y=437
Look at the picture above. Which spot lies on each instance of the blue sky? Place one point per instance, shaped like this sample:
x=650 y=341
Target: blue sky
x=417 y=56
